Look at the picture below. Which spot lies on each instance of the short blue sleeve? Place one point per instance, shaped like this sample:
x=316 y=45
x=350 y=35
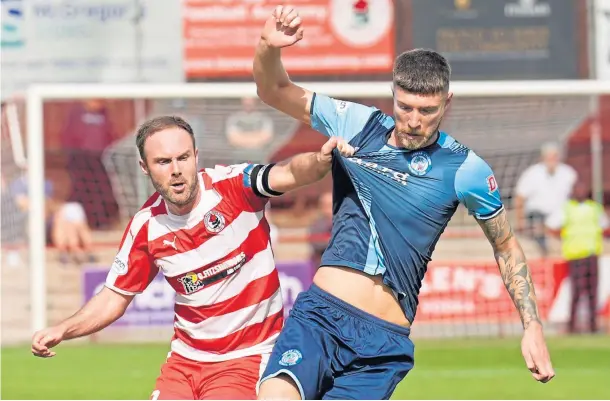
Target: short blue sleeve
x=341 y=118
x=477 y=189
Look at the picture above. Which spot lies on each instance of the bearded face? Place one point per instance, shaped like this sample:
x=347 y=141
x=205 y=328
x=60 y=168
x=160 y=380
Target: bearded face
x=171 y=164
x=417 y=117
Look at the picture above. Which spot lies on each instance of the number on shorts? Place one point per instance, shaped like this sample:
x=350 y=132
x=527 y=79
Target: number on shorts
x=155 y=395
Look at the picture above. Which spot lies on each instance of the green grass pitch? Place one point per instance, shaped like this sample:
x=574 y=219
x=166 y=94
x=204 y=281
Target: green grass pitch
x=448 y=369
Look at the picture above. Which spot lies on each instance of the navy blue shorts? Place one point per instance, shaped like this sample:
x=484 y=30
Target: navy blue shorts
x=333 y=350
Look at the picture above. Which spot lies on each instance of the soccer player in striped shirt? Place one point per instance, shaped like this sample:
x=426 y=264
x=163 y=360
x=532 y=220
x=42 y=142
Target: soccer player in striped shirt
x=206 y=231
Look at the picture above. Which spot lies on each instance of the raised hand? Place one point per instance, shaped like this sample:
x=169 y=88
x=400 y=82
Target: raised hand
x=283 y=28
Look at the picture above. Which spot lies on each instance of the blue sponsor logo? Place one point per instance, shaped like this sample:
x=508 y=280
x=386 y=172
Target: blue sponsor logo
x=13 y=34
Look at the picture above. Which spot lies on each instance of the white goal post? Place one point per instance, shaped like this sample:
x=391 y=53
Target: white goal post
x=38 y=94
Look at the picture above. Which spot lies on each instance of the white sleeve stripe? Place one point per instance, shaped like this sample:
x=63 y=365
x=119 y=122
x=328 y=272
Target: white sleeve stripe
x=491 y=216
x=120 y=265
x=137 y=224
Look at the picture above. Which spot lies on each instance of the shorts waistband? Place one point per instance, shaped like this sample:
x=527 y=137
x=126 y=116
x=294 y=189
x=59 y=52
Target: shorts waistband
x=360 y=314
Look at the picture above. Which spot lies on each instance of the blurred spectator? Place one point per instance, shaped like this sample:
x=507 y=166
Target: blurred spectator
x=541 y=191
x=65 y=222
x=20 y=194
x=250 y=129
x=321 y=228
x=14 y=219
x=13 y=227
x=88 y=127
x=71 y=233
x=88 y=131
x=580 y=223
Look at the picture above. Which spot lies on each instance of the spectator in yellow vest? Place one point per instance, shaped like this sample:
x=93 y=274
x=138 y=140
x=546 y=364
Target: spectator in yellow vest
x=581 y=224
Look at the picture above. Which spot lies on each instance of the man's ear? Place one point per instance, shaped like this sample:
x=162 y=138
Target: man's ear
x=449 y=99
x=144 y=167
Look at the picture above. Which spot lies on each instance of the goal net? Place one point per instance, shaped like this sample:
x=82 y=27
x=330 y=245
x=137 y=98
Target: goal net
x=14 y=234
x=82 y=138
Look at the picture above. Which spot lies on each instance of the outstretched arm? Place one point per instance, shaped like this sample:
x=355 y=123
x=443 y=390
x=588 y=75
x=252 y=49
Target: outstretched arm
x=101 y=311
x=306 y=168
x=477 y=189
x=274 y=87
x=518 y=281
x=329 y=116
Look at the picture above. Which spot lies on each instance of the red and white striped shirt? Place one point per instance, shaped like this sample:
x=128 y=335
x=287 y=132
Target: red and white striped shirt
x=218 y=259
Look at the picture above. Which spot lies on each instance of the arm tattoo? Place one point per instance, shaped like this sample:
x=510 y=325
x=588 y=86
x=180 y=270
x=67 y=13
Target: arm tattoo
x=513 y=267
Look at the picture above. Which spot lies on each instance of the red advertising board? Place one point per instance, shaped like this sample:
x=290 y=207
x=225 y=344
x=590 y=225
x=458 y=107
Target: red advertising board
x=473 y=291
x=347 y=36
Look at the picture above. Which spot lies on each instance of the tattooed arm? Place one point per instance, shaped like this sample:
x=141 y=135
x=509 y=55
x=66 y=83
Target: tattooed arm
x=518 y=281
x=513 y=267
x=476 y=188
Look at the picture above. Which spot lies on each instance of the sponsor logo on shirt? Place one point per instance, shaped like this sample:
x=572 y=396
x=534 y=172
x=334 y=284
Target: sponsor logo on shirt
x=193 y=282
x=397 y=176
x=119 y=267
x=492 y=184
x=341 y=106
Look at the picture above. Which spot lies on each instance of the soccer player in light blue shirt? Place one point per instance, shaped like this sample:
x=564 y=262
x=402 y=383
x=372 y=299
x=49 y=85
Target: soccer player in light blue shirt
x=347 y=336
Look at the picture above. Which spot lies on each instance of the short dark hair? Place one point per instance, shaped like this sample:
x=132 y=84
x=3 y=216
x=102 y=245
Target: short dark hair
x=421 y=71
x=157 y=124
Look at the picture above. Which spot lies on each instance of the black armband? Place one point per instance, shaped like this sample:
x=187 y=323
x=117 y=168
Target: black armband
x=259 y=178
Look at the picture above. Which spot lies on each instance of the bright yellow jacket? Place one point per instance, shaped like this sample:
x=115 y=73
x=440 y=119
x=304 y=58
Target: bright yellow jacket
x=582 y=233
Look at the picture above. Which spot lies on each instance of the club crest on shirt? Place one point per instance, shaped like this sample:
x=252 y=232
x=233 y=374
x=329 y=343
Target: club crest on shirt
x=291 y=357
x=214 y=221
x=419 y=163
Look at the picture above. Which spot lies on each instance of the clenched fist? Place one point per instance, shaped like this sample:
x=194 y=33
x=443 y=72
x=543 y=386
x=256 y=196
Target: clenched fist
x=344 y=148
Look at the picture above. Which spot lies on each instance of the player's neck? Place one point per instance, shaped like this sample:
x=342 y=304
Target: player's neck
x=185 y=209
